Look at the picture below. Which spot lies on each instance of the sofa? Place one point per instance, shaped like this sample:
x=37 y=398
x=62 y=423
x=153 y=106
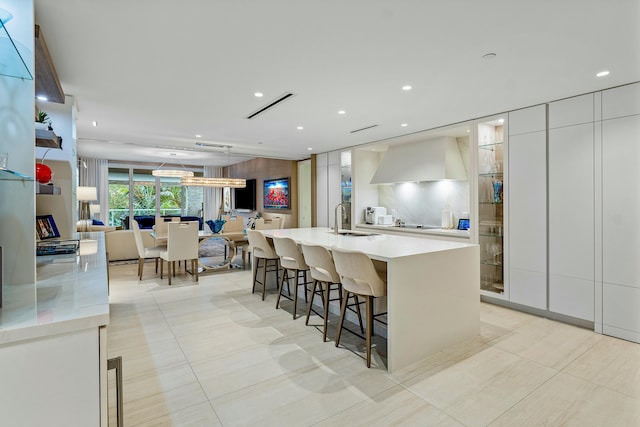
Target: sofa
x=121 y=244
x=146 y=222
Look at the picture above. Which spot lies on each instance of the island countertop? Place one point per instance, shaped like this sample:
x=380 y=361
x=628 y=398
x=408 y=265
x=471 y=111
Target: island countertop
x=433 y=288
x=382 y=247
x=70 y=293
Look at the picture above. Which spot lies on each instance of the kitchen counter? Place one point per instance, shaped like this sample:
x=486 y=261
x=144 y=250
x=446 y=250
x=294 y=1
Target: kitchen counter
x=70 y=294
x=433 y=289
x=452 y=233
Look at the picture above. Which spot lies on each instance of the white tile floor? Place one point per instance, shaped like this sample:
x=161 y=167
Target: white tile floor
x=213 y=354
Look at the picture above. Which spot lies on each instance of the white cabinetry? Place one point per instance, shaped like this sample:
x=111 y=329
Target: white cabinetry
x=52 y=381
x=620 y=212
x=572 y=207
x=527 y=207
x=334 y=193
x=322 y=203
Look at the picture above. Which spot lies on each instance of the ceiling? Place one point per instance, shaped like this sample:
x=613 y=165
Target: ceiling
x=154 y=73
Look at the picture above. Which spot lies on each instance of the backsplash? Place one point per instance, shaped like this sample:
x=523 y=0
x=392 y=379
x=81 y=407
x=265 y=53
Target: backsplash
x=423 y=202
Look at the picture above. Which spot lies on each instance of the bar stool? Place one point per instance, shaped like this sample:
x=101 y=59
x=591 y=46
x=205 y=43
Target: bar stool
x=262 y=250
x=291 y=258
x=359 y=276
x=323 y=272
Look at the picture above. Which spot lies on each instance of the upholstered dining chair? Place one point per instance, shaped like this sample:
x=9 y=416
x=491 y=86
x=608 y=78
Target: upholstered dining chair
x=291 y=260
x=160 y=230
x=324 y=274
x=262 y=250
x=144 y=253
x=269 y=224
x=360 y=277
x=182 y=244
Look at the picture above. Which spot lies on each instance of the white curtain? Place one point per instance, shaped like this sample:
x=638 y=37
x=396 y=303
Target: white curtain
x=95 y=173
x=212 y=196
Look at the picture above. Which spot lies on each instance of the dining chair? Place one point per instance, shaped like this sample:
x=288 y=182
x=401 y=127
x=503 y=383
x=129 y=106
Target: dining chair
x=160 y=230
x=262 y=250
x=324 y=274
x=291 y=259
x=182 y=244
x=268 y=224
x=360 y=277
x=144 y=253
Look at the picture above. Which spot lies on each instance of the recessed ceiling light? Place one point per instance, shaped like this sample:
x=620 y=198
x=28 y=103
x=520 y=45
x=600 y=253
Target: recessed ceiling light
x=489 y=55
x=406 y=87
x=42 y=98
x=501 y=121
x=342 y=112
x=404 y=125
x=602 y=73
x=300 y=128
x=258 y=94
x=198 y=136
x=94 y=123
x=468 y=131
x=309 y=148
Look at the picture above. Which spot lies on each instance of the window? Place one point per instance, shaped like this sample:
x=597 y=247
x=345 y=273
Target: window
x=137 y=190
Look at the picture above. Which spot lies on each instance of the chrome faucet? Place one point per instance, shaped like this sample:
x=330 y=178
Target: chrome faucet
x=341 y=207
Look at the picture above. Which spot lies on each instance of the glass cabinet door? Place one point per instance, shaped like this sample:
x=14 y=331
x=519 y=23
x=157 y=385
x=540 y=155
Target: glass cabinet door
x=491 y=231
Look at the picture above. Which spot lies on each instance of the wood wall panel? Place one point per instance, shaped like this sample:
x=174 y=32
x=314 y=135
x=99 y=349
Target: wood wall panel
x=261 y=169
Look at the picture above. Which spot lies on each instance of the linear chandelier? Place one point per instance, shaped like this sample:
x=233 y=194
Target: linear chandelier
x=199 y=181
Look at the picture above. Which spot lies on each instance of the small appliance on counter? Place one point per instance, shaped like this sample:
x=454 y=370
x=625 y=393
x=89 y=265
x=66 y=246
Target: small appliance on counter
x=385 y=220
x=447 y=220
x=373 y=213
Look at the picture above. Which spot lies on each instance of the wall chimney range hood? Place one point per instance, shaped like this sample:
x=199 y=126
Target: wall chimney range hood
x=430 y=160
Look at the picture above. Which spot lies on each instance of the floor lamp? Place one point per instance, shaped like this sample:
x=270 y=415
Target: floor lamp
x=84 y=196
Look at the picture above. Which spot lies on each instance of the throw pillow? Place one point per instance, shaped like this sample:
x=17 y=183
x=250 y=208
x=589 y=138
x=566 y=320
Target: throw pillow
x=97 y=222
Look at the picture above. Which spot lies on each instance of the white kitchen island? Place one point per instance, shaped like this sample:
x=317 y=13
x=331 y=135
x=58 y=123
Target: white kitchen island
x=433 y=297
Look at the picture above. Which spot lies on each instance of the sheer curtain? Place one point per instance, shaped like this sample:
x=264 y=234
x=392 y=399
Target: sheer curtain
x=95 y=173
x=212 y=196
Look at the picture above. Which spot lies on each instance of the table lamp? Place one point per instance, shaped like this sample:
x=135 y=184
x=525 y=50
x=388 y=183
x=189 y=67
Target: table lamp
x=84 y=196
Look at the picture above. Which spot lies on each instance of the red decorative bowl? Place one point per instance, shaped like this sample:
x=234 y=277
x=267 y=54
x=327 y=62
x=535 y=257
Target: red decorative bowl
x=43 y=173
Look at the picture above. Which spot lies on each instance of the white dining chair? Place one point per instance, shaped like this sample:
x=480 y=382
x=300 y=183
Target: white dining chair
x=268 y=224
x=144 y=253
x=360 y=277
x=182 y=244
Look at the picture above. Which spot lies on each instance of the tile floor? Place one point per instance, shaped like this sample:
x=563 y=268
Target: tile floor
x=213 y=354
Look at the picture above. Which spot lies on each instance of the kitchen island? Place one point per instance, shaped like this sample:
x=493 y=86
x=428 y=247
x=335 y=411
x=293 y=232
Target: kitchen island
x=53 y=353
x=433 y=297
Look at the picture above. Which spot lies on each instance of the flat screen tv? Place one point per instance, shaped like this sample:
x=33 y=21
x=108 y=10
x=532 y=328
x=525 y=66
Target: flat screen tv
x=246 y=197
x=276 y=193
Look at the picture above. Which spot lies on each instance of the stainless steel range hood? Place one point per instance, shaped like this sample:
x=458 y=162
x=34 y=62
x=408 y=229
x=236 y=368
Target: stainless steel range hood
x=430 y=160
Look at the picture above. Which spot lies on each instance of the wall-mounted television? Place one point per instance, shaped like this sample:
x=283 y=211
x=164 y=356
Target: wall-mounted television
x=246 y=197
x=276 y=193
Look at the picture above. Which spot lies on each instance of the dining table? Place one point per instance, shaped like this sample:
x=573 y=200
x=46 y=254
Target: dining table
x=433 y=289
x=230 y=242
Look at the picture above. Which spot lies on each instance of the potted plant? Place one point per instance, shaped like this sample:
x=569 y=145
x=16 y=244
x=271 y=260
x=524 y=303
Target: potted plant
x=42 y=121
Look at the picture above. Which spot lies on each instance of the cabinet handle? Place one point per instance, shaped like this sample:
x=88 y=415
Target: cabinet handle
x=116 y=363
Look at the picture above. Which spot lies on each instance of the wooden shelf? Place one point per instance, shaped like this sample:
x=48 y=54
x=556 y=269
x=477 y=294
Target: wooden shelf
x=48 y=139
x=47 y=189
x=47 y=82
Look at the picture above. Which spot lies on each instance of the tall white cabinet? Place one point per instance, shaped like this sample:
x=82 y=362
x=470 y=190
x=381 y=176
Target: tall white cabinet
x=572 y=207
x=527 y=199
x=620 y=212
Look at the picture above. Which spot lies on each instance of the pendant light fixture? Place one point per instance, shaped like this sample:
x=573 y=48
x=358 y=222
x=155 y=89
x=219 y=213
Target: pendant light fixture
x=172 y=173
x=199 y=181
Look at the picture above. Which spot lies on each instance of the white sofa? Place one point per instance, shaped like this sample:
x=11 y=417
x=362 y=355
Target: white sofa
x=121 y=244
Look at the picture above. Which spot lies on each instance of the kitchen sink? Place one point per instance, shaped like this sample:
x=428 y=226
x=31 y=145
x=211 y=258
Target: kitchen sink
x=354 y=233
